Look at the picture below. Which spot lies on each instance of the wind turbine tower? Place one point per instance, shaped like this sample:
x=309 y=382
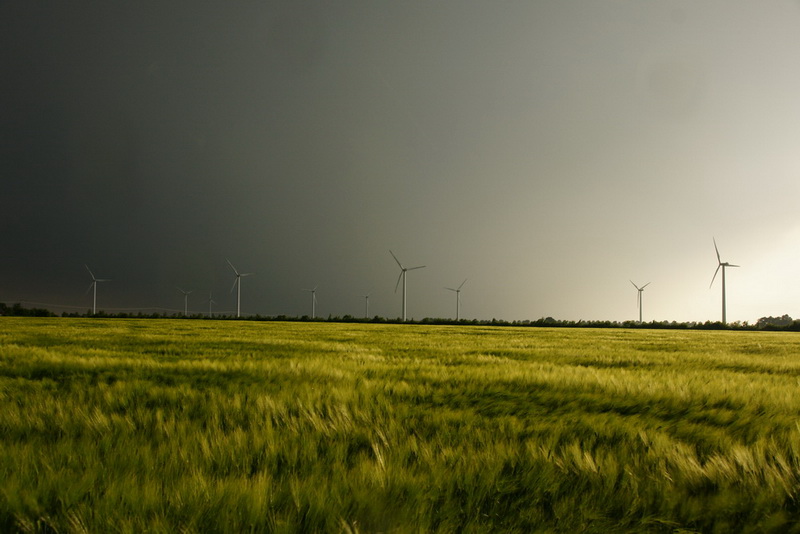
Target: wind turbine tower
x=210 y=302
x=403 y=271
x=366 y=306
x=185 y=300
x=639 y=300
x=458 y=298
x=723 y=265
x=237 y=283
x=313 y=301
x=93 y=286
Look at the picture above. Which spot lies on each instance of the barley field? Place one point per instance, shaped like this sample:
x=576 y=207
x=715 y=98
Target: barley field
x=131 y=425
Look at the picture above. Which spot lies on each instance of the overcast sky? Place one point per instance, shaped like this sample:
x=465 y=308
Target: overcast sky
x=547 y=151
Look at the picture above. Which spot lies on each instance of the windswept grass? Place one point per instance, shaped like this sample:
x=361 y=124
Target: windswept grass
x=203 y=426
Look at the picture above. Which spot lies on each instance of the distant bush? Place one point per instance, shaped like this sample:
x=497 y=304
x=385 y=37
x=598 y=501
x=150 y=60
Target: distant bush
x=769 y=323
x=18 y=311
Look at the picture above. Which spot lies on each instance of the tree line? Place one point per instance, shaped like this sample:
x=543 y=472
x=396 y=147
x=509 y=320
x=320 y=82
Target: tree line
x=782 y=323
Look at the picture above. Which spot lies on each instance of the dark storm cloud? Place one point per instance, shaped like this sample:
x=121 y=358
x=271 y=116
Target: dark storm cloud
x=111 y=119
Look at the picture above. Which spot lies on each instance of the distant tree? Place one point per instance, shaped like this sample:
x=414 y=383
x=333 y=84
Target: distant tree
x=20 y=311
x=781 y=322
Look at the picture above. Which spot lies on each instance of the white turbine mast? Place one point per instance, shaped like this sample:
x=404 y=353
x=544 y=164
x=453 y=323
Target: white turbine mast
x=185 y=300
x=639 y=298
x=93 y=286
x=313 y=301
x=723 y=265
x=366 y=306
x=458 y=298
x=403 y=271
x=237 y=283
x=210 y=302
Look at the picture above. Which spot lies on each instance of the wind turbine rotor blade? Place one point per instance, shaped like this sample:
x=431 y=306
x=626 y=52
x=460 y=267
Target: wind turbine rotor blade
x=715 y=275
x=717 y=250
x=395 y=259
x=647 y=284
x=90 y=288
x=398 y=281
x=451 y=289
x=412 y=268
x=90 y=271
x=730 y=265
x=232 y=267
x=247 y=274
x=634 y=285
x=235 y=281
x=462 y=283
x=103 y=280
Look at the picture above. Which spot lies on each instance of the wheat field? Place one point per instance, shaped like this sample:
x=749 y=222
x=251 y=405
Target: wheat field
x=134 y=425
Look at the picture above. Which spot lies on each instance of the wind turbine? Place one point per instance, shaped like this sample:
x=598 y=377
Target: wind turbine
x=723 y=265
x=366 y=306
x=210 y=302
x=403 y=271
x=313 y=301
x=458 y=298
x=185 y=300
x=238 y=285
x=639 y=300
x=93 y=285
